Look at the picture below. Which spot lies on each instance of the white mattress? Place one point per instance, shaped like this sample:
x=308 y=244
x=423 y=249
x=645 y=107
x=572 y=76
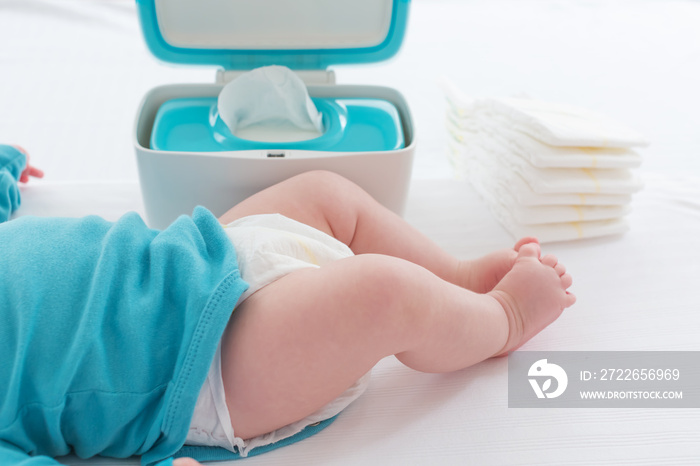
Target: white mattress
x=70 y=97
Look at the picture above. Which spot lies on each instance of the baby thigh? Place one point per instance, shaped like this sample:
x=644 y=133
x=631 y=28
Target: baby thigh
x=300 y=342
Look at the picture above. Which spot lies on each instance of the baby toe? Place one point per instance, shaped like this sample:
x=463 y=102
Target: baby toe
x=524 y=241
x=566 y=280
x=549 y=260
x=560 y=269
x=529 y=250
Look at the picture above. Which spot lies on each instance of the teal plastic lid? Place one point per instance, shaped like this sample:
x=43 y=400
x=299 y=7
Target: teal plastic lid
x=299 y=34
x=192 y=124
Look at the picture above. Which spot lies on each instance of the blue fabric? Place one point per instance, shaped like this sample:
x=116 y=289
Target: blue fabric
x=107 y=334
x=221 y=454
x=166 y=462
x=12 y=163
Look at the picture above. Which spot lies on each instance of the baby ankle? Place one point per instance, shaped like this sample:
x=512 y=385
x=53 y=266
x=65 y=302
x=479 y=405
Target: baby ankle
x=464 y=274
x=512 y=322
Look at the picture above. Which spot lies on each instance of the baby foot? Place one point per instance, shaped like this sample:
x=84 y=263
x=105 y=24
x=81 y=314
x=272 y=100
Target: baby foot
x=533 y=294
x=481 y=275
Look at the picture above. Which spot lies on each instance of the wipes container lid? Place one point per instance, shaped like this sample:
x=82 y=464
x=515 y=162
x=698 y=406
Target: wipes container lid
x=299 y=34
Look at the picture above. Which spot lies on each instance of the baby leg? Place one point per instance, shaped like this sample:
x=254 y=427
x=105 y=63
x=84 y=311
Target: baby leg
x=334 y=205
x=300 y=342
x=340 y=208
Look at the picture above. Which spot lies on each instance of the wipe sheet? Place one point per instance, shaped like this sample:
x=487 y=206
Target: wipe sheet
x=269 y=104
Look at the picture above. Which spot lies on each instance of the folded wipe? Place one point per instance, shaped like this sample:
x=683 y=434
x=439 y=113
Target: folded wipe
x=545 y=170
x=269 y=104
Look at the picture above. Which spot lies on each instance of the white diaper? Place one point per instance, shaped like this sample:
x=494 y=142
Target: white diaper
x=268 y=247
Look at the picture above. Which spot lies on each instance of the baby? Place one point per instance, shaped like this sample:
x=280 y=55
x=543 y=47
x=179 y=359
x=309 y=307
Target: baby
x=215 y=339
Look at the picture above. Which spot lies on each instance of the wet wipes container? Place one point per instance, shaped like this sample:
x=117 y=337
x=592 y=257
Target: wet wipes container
x=274 y=110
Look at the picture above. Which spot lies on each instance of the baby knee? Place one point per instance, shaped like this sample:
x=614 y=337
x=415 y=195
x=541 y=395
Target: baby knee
x=329 y=186
x=323 y=180
x=390 y=289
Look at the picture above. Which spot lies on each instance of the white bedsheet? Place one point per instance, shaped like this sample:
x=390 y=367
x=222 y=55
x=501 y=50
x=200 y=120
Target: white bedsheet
x=72 y=73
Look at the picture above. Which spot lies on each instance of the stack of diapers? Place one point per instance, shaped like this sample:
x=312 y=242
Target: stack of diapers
x=546 y=170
